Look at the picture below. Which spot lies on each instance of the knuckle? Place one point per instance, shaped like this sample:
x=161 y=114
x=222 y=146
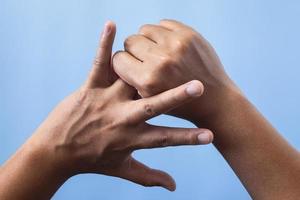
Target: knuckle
x=176 y=99
x=192 y=35
x=191 y=137
x=129 y=40
x=165 y=62
x=189 y=35
x=149 y=110
x=145 y=28
x=181 y=45
x=184 y=41
x=163 y=140
x=98 y=61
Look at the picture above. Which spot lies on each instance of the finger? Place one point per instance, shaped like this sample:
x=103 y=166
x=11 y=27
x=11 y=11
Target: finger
x=172 y=24
x=157 y=136
x=139 y=46
x=156 y=33
x=143 y=175
x=123 y=89
x=147 y=108
x=102 y=73
x=125 y=65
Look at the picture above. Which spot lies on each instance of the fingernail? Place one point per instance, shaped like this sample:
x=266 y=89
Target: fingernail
x=205 y=137
x=194 y=89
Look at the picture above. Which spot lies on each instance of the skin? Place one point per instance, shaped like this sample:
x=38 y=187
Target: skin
x=163 y=56
x=95 y=130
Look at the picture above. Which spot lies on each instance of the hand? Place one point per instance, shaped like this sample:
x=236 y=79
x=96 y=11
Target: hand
x=164 y=56
x=167 y=55
x=96 y=129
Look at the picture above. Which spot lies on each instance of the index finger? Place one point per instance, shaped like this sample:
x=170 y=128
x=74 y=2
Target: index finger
x=148 y=108
x=101 y=73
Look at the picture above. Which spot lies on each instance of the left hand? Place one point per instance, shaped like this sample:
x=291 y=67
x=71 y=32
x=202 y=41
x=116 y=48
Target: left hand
x=96 y=129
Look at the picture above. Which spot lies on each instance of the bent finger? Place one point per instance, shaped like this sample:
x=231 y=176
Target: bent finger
x=139 y=173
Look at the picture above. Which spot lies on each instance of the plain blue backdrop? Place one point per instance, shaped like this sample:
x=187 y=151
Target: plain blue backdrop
x=46 y=50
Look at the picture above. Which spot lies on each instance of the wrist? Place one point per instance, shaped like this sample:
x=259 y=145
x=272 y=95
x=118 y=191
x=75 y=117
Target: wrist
x=43 y=153
x=29 y=171
x=215 y=104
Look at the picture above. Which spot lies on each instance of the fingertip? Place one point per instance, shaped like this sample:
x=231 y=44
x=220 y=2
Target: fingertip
x=205 y=137
x=172 y=187
x=163 y=179
x=111 y=24
x=109 y=28
x=169 y=183
x=194 y=88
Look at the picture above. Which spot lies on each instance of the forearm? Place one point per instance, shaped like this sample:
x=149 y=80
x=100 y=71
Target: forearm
x=30 y=174
x=266 y=164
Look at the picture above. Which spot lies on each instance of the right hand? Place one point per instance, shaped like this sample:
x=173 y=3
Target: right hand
x=164 y=56
x=96 y=129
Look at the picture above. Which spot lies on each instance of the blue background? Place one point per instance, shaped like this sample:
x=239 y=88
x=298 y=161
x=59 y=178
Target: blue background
x=46 y=50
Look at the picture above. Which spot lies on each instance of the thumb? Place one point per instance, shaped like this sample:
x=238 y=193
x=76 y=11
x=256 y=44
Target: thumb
x=143 y=175
x=101 y=73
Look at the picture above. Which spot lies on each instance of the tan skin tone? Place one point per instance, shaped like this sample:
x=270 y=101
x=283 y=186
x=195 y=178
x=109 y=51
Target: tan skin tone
x=163 y=56
x=95 y=130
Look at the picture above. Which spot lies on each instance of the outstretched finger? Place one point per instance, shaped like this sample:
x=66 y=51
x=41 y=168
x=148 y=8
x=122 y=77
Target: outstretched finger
x=102 y=73
x=157 y=136
x=147 y=108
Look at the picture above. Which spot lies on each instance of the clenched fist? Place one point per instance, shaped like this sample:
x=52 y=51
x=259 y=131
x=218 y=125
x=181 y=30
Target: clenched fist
x=164 y=56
